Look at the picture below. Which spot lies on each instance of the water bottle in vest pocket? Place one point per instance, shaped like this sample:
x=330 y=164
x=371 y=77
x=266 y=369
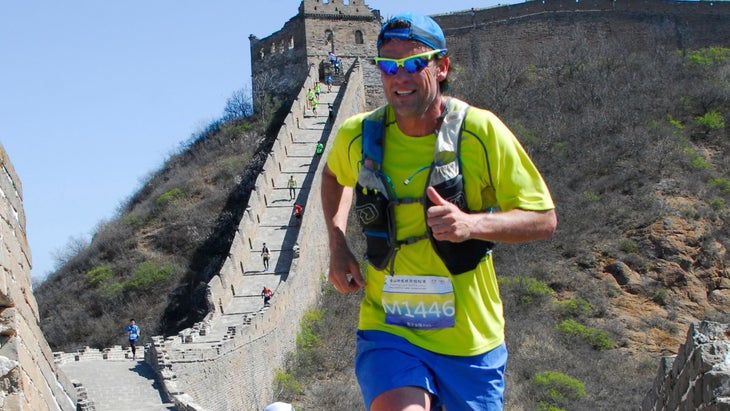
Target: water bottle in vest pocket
x=372 y=207
x=372 y=210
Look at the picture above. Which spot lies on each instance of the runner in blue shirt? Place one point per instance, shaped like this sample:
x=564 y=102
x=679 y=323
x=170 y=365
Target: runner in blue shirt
x=133 y=334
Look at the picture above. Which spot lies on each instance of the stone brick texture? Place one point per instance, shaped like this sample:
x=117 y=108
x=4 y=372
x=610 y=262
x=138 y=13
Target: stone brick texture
x=29 y=379
x=698 y=377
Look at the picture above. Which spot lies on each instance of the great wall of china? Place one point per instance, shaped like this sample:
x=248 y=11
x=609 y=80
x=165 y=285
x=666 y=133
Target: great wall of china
x=228 y=360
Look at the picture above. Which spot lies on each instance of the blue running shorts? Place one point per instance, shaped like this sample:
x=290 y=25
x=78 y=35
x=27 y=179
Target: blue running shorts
x=385 y=361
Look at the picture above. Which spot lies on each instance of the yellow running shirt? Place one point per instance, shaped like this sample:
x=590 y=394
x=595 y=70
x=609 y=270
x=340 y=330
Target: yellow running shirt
x=497 y=173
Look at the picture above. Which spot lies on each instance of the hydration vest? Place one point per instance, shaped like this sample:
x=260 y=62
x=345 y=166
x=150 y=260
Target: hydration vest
x=375 y=198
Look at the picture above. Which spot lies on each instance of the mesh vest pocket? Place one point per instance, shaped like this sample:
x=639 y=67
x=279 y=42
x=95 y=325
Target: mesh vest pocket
x=372 y=210
x=458 y=257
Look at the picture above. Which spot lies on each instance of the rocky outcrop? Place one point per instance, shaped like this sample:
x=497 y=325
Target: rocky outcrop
x=698 y=377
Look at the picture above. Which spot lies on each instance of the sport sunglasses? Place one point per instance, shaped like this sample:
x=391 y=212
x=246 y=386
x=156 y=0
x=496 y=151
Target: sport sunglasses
x=412 y=63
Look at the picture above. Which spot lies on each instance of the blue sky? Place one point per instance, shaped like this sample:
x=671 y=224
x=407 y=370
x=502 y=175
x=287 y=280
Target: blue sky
x=95 y=95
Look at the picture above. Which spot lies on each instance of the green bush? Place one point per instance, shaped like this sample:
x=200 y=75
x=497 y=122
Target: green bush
x=556 y=390
x=559 y=147
x=575 y=307
x=709 y=56
x=598 y=339
x=527 y=289
x=136 y=219
x=629 y=246
x=698 y=161
x=235 y=164
x=721 y=184
x=525 y=133
x=661 y=296
x=701 y=164
x=103 y=278
x=237 y=128
x=287 y=386
x=688 y=212
x=676 y=123
x=170 y=196
x=147 y=274
x=717 y=204
x=232 y=166
x=712 y=120
x=308 y=337
x=100 y=275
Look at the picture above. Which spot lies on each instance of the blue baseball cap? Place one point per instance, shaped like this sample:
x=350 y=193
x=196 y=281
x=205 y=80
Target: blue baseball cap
x=417 y=27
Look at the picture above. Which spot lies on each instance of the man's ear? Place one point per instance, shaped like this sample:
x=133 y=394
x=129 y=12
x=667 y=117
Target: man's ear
x=443 y=68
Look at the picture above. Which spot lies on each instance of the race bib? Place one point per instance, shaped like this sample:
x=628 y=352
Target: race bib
x=421 y=302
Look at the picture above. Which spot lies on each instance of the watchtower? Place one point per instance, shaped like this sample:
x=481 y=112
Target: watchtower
x=348 y=29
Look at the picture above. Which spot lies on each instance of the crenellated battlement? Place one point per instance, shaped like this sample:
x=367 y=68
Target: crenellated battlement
x=352 y=9
x=284 y=58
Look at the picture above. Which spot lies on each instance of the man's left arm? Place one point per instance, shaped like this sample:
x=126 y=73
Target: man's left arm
x=449 y=223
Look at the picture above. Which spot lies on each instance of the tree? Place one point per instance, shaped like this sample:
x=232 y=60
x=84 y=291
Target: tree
x=239 y=105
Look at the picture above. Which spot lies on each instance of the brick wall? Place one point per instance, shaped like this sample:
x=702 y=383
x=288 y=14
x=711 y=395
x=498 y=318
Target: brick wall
x=522 y=29
x=29 y=380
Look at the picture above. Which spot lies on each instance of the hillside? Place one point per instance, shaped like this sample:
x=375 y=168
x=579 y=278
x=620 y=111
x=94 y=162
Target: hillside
x=153 y=262
x=638 y=169
x=633 y=142
x=634 y=146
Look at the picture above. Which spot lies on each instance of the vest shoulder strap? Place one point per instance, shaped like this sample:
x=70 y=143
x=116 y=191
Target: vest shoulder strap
x=373 y=131
x=446 y=162
x=447 y=144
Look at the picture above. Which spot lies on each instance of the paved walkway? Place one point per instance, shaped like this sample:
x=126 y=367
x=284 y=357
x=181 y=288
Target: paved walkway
x=131 y=385
x=119 y=385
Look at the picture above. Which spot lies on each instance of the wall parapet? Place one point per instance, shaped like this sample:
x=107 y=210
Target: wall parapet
x=30 y=379
x=114 y=353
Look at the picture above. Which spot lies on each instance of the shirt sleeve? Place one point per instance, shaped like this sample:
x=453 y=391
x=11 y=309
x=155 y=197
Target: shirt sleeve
x=517 y=181
x=344 y=156
x=514 y=178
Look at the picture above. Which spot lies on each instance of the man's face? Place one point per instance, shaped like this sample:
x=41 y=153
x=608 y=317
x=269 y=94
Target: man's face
x=413 y=94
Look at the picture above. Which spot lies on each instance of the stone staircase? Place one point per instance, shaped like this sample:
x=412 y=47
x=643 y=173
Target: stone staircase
x=102 y=375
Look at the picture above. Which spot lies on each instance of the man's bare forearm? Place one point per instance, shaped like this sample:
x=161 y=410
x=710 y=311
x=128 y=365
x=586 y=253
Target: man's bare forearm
x=336 y=203
x=449 y=223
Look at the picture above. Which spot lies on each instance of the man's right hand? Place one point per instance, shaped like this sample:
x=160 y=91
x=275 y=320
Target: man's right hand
x=336 y=202
x=344 y=270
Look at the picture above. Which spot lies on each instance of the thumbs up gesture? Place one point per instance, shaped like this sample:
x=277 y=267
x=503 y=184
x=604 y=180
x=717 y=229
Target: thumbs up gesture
x=446 y=220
